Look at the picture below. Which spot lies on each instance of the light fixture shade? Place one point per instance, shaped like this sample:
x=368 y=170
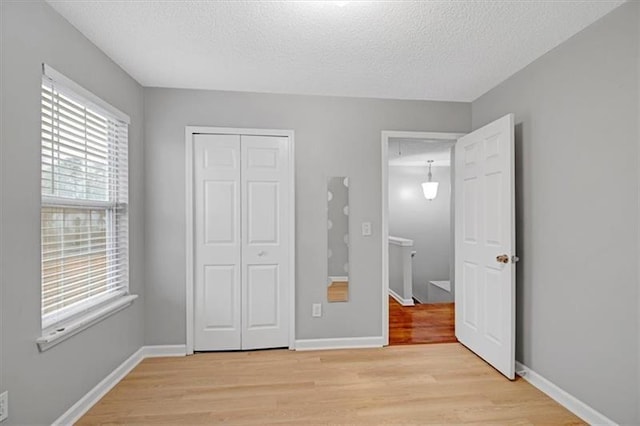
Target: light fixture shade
x=430 y=190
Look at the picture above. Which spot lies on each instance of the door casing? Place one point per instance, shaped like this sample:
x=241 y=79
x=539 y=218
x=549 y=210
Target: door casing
x=189 y=247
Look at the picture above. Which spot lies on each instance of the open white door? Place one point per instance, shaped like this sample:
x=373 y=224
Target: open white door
x=485 y=243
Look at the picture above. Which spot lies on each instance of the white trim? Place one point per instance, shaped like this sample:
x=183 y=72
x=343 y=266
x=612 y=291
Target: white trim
x=188 y=158
x=332 y=280
x=400 y=300
x=91 y=398
x=73 y=314
x=420 y=301
x=562 y=397
x=292 y=239
x=189 y=132
x=339 y=343
x=443 y=284
x=156 y=351
x=84 y=404
x=63 y=331
x=78 y=91
x=403 y=242
x=385 y=136
x=238 y=131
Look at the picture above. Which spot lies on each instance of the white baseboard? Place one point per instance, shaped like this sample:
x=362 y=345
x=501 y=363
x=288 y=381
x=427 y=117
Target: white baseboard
x=156 y=351
x=85 y=403
x=340 y=343
x=400 y=300
x=568 y=401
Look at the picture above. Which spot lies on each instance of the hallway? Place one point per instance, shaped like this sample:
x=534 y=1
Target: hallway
x=422 y=323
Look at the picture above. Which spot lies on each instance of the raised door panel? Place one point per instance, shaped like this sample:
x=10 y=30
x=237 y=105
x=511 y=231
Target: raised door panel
x=470 y=213
x=219 y=304
x=493 y=301
x=263 y=301
x=470 y=287
x=263 y=215
x=220 y=215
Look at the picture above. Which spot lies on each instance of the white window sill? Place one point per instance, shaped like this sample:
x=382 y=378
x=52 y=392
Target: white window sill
x=75 y=326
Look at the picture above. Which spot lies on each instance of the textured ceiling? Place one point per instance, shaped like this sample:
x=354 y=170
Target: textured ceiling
x=416 y=152
x=440 y=50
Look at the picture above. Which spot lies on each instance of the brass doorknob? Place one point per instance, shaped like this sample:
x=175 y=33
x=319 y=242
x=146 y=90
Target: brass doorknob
x=503 y=258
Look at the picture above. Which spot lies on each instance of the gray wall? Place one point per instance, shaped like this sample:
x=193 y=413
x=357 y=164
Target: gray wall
x=43 y=385
x=427 y=223
x=333 y=137
x=577 y=210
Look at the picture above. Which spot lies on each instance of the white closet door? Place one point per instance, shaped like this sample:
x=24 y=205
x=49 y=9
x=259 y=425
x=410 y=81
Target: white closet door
x=265 y=241
x=217 y=242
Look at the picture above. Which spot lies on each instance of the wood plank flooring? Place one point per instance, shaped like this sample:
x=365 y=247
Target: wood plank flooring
x=422 y=323
x=338 y=291
x=419 y=384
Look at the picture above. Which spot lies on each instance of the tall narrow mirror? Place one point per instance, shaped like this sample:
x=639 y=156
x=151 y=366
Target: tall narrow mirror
x=338 y=239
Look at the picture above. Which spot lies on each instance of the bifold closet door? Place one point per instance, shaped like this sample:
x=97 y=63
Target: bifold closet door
x=265 y=241
x=242 y=196
x=217 y=242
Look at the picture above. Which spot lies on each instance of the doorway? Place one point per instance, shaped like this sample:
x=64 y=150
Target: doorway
x=483 y=280
x=418 y=237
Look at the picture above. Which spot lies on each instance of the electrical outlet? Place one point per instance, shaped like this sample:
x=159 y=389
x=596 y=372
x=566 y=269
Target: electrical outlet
x=4 y=406
x=316 y=310
x=366 y=228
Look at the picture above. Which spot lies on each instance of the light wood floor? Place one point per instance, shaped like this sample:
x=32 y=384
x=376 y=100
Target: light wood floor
x=419 y=384
x=421 y=323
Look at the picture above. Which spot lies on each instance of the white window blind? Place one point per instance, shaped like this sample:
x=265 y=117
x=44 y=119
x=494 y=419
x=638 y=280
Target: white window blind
x=84 y=214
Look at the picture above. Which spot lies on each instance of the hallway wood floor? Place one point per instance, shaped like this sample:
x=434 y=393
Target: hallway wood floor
x=419 y=384
x=422 y=323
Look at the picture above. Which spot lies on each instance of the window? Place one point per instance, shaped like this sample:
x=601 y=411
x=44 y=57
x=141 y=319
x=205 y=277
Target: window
x=84 y=214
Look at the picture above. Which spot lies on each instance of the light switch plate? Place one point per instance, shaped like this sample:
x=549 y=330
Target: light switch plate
x=316 y=310
x=366 y=229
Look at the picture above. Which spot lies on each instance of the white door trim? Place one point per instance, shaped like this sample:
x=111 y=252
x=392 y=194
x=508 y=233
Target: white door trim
x=189 y=132
x=386 y=135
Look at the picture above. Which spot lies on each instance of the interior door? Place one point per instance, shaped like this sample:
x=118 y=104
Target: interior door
x=265 y=241
x=485 y=243
x=217 y=242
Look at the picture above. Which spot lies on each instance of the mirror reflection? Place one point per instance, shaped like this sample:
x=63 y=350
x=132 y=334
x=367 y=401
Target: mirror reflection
x=338 y=239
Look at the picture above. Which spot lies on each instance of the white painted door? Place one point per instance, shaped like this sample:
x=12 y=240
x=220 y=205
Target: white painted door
x=242 y=196
x=217 y=242
x=265 y=241
x=485 y=243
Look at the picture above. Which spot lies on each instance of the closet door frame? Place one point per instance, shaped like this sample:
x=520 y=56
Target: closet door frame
x=190 y=131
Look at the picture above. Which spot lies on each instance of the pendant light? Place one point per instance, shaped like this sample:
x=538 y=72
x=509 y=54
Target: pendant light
x=429 y=188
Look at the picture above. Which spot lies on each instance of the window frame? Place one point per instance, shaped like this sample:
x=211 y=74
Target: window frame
x=68 y=320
